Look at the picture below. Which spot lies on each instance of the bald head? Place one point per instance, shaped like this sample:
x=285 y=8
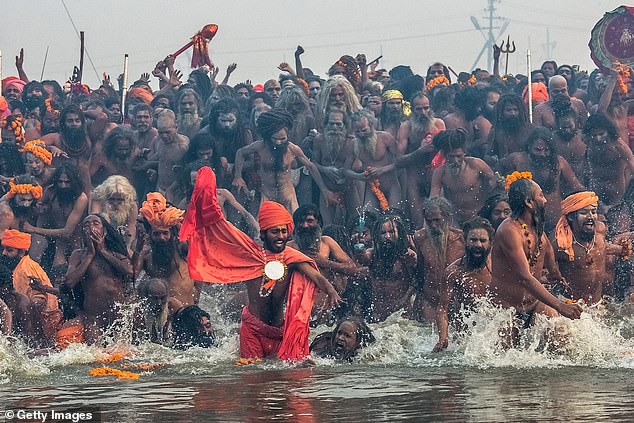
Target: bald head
x=558 y=90
x=557 y=81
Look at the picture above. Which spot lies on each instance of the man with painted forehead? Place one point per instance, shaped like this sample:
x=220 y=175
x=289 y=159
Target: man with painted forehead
x=221 y=253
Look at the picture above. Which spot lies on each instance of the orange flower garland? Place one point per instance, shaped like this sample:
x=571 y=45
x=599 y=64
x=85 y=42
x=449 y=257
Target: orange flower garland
x=472 y=80
x=439 y=80
x=14 y=124
x=622 y=79
x=109 y=371
x=516 y=176
x=38 y=149
x=374 y=185
x=50 y=108
x=34 y=190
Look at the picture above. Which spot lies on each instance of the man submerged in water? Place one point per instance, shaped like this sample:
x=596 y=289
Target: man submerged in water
x=344 y=342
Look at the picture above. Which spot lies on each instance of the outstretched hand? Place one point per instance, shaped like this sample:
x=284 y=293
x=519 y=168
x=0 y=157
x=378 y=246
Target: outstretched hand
x=231 y=68
x=19 y=59
x=299 y=51
x=497 y=50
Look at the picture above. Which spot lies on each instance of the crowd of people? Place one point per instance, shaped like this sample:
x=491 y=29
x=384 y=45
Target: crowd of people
x=389 y=191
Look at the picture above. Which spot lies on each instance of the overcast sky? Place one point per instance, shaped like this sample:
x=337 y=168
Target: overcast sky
x=258 y=34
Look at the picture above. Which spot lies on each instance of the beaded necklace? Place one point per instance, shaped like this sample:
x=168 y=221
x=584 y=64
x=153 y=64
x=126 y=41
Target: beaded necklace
x=532 y=255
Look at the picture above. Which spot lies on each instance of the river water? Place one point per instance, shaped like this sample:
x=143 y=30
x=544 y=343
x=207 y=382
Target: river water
x=395 y=379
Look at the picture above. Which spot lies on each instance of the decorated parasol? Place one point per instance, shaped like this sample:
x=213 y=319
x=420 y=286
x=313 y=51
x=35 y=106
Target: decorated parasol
x=200 y=56
x=612 y=39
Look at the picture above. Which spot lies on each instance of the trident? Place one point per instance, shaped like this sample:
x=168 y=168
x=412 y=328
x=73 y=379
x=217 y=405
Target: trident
x=508 y=50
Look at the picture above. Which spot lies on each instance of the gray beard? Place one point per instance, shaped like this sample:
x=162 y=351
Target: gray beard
x=368 y=144
x=333 y=145
x=187 y=121
x=156 y=323
x=116 y=218
x=439 y=241
x=421 y=125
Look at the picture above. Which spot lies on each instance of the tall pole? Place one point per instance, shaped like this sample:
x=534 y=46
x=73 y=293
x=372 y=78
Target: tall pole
x=44 y=64
x=530 y=86
x=491 y=36
x=0 y=71
x=124 y=90
x=81 y=55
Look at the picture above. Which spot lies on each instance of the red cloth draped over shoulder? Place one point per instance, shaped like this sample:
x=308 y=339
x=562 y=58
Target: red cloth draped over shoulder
x=221 y=253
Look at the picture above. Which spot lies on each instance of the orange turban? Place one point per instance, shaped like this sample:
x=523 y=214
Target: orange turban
x=163 y=219
x=274 y=214
x=540 y=92
x=155 y=201
x=4 y=108
x=16 y=239
x=142 y=94
x=572 y=203
x=38 y=149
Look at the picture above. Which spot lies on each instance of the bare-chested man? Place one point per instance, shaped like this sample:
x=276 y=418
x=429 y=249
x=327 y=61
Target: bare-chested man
x=117 y=157
x=581 y=250
x=61 y=209
x=468 y=116
x=334 y=264
x=162 y=256
x=160 y=308
x=548 y=168
x=438 y=245
x=416 y=151
x=392 y=268
x=468 y=278
x=392 y=113
x=168 y=150
x=188 y=111
x=375 y=151
x=559 y=100
x=276 y=157
x=609 y=160
x=520 y=252
x=142 y=124
x=510 y=128
x=76 y=140
x=240 y=259
x=464 y=181
x=614 y=104
x=569 y=141
x=329 y=155
x=19 y=306
x=104 y=270
x=18 y=205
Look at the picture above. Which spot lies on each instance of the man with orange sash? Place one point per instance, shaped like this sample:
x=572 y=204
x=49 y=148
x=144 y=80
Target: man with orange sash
x=220 y=253
x=31 y=280
x=581 y=249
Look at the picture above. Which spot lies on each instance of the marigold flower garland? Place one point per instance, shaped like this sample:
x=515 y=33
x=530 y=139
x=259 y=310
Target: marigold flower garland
x=374 y=186
x=439 y=80
x=516 y=176
x=622 y=79
x=34 y=190
x=38 y=149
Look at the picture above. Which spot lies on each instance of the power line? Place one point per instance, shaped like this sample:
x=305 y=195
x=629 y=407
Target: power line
x=77 y=32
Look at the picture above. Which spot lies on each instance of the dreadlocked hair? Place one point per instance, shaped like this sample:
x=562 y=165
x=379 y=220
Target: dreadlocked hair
x=451 y=139
x=350 y=98
x=113 y=240
x=271 y=122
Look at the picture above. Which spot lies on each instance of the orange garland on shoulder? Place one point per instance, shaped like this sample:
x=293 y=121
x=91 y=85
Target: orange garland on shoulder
x=439 y=80
x=516 y=176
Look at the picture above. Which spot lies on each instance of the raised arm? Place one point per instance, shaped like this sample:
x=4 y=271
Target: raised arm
x=298 y=62
x=78 y=265
x=241 y=155
x=69 y=228
x=314 y=172
x=322 y=283
x=239 y=208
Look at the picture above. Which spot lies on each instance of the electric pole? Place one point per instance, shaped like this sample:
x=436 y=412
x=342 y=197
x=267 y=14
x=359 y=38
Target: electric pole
x=489 y=37
x=549 y=46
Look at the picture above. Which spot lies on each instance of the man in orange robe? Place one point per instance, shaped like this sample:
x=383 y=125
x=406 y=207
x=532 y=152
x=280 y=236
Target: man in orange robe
x=221 y=253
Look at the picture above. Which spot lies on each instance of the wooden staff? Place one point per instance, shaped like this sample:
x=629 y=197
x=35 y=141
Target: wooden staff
x=0 y=71
x=81 y=55
x=44 y=64
x=530 y=86
x=124 y=90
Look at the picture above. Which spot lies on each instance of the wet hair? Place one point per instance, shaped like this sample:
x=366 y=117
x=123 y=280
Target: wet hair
x=477 y=222
x=350 y=98
x=520 y=191
x=114 y=136
x=600 y=121
x=594 y=94
x=202 y=141
x=32 y=86
x=186 y=328
x=361 y=114
x=573 y=78
x=515 y=100
x=204 y=87
x=340 y=235
x=184 y=176
x=441 y=203
x=273 y=121
x=544 y=134
x=365 y=336
x=13 y=161
x=490 y=204
x=307 y=210
x=76 y=184
x=292 y=95
x=451 y=139
x=144 y=286
x=223 y=106
x=401 y=244
x=113 y=240
x=71 y=109
x=469 y=100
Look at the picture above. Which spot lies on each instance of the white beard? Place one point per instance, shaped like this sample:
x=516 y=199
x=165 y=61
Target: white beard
x=369 y=145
